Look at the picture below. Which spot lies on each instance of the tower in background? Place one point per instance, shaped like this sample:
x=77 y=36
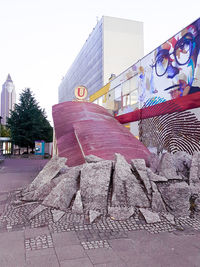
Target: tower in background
x=8 y=98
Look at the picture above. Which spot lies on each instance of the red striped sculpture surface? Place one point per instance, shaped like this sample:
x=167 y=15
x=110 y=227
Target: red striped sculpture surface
x=83 y=128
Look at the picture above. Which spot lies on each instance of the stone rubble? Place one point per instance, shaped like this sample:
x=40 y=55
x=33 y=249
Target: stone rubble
x=168 y=189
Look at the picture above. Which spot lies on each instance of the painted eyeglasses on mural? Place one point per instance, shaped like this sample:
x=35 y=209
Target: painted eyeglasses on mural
x=177 y=60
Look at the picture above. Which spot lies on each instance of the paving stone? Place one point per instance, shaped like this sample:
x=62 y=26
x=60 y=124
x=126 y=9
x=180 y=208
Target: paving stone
x=76 y=263
x=43 y=260
x=9 y=256
x=70 y=252
x=102 y=255
x=30 y=232
x=65 y=239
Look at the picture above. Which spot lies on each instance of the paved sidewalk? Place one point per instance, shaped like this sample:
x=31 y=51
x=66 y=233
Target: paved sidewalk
x=113 y=244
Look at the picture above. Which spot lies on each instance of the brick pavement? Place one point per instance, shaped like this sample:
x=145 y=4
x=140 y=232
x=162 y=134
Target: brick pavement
x=74 y=242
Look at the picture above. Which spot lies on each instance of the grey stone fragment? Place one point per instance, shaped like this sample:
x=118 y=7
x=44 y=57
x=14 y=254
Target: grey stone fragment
x=121 y=213
x=150 y=216
x=176 y=197
x=57 y=214
x=94 y=184
x=78 y=205
x=61 y=195
x=157 y=203
x=169 y=217
x=155 y=177
x=182 y=162
x=93 y=214
x=140 y=166
x=36 y=211
x=153 y=162
x=127 y=190
x=194 y=177
x=92 y=159
x=167 y=167
x=42 y=184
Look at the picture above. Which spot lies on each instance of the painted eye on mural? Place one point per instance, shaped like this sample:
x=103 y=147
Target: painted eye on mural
x=183 y=49
x=162 y=62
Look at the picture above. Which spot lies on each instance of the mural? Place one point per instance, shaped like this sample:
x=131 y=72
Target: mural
x=174 y=132
x=160 y=91
x=173 y=69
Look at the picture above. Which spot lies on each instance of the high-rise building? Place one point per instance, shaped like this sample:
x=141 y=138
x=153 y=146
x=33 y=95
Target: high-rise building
x=8 y=98
x=113 y=45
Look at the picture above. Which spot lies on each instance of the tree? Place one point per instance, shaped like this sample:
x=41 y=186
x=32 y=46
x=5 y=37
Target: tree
x=4 y=131
x=28 y=122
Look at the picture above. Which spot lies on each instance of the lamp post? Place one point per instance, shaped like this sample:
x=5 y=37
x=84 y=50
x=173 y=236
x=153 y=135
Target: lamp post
x=0 y=124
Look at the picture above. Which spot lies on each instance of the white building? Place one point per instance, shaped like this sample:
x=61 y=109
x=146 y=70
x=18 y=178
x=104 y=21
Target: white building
x=8 y=99
x=113 y=45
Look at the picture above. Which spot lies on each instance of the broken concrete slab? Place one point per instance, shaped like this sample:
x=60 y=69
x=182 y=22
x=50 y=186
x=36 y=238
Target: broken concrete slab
x=92 y=159
x=57 y=214
x=94 y=184
x=127 y=190
x=36 y=211
x=121 y=213
x=155 y=177
x=169 y=217
x=77 y=205
x=61 y=195
x=176 y=196
x=153 y=162
x=140 y=166
x=157 y=203
x=194 y=177
x=93 y=215
x=41 y=185
x=150 y=216
x=167 y=167
x=182 y=162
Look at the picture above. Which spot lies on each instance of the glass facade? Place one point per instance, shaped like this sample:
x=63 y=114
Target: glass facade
x=87 y=69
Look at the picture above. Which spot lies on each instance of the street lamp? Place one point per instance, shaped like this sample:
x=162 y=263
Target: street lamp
x=0 y=124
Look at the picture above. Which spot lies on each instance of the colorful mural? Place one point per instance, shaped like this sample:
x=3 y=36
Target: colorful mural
x=173 y=69
x=170 y=72
x=162 y=92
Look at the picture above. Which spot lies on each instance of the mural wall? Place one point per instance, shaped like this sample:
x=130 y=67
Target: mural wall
x=157 y=91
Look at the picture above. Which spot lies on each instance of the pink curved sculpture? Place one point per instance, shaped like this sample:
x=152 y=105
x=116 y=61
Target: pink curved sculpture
x=83 y=128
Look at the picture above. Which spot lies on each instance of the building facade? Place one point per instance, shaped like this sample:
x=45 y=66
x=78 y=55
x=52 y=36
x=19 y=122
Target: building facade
x=113 y=45
x=8 y=99
x=159 y=95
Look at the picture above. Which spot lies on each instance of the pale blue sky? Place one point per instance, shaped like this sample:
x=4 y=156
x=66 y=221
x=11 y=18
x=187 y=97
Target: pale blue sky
x=40 y=38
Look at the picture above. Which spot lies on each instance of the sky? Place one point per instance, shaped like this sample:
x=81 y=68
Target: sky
x=39 y=39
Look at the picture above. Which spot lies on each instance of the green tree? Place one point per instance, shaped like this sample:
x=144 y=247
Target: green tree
x=4 y=131
x=28 y=122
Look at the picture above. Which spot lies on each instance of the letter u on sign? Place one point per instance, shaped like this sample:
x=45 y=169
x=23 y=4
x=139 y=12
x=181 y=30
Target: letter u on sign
x=80 y=92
